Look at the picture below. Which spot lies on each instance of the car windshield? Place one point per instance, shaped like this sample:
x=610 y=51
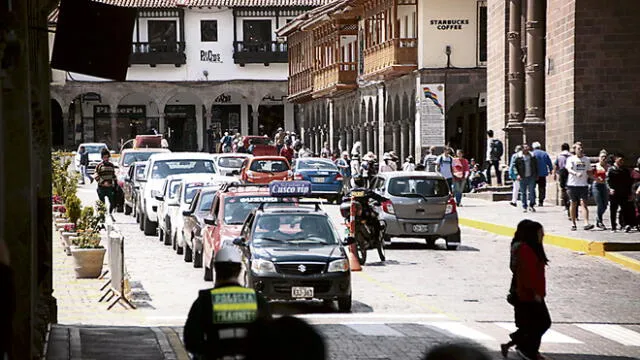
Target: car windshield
x=418 y=187
x=93 y=149
x=316 y=165
x=237 y=208
x=260 y=141
x=231 y=162
x=162 y=169
x=206 y=201
x=293 y=229
x=269 y=166
x=132 y=157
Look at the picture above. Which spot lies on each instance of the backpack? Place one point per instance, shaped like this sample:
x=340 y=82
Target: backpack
x=497 y=149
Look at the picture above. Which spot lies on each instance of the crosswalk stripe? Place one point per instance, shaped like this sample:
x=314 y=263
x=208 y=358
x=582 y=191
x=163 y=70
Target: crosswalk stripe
x=458 y=329
x=375 y=330
x=613 y=332
x=551 y=336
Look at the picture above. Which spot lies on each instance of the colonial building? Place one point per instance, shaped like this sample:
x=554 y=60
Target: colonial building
x=195 y=65
x=397 y=75
x=563 y=71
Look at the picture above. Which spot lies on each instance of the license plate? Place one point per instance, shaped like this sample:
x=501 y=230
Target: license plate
x=301 y=292
x=421 y=228
x=357 y=193
x=317 y=179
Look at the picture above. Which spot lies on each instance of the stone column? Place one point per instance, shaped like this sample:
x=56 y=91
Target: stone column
x=254 y=116
x=114 y=130
x=363 y=138
x=404 y=141
x=162 y=126
x=412 y=141
x=395 y=139
x=65 y=129
x=331 y=133
x=376 y=146
x=349 y=137
x=516 y=66
x=369 y=132
x=535 y=62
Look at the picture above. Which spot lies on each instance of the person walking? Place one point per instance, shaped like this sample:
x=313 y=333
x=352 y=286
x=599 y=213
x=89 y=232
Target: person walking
x=106 y=177
x=409 y=164
x=531 y=313
x=344 y=166
x=227 y=142
x=279 y=139
x=429 y=161
x=527 y=173
x=513 y=175
x=84 y=162
x=386 y=163
x=444 y=165
x=599 y=187
x=221 y=317
x=635 y=176
x=579 y=170
x=561 y=174
x=620 y=183
x=287 y=151
x=326 y=151
x=545 y=167
x=495 y=150
x=460 y=174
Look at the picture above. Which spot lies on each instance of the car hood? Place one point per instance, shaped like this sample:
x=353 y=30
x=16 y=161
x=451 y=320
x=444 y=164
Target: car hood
x=95 y=157
x=294 y=253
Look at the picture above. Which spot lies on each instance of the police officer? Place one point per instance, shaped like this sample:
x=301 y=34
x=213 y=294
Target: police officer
x=221 y=318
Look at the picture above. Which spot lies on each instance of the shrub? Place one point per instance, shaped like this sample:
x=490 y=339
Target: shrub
x=74 y=208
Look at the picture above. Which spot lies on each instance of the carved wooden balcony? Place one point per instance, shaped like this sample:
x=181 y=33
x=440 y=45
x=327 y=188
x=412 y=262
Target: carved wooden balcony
x=301 y=86
x=335 y=79
x=259 y=52
x=158 y=53
x=390 y=59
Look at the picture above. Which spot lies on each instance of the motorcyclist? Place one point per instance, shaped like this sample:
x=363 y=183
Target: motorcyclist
x=368 y=213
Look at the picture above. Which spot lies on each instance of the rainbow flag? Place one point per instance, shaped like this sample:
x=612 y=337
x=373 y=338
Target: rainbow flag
x=434 y=97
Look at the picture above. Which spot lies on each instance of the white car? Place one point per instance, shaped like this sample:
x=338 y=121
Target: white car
x=130 y=156
x=95 y=158
x=229 y=164
x=166 y=202
x=160 y=166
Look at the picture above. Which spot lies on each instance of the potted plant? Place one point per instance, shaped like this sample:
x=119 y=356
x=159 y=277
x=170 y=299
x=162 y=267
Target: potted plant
x=88 y=254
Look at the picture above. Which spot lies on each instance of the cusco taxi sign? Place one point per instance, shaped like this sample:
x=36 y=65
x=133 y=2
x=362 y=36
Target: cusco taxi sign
x=290 y=188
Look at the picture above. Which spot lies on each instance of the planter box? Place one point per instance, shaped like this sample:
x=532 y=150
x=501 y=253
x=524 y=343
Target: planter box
x=67 y=241
x=61 y=225
x=87 y=262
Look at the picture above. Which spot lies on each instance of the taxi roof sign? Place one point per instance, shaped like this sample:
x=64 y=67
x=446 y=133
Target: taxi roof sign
x=290 y=188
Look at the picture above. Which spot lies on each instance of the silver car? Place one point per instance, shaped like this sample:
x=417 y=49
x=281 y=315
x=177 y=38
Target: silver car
x=419 y=206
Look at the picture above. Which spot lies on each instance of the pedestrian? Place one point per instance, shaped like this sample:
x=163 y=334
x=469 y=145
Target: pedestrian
x=620 y=183
x=409 y=164
x=287 y=151
x=579 y=170
x=561 y=174
x=84 y=162
x=599 y=187
x=513 y=175
x=394 y=160
x=241 y=148
x=444 y=165
x=476 y=178
x=344 y=166
x=429 y=161
x=495 y=150
x=164 y=143
x=326 y=151
x=7 y=301
x=285 y=338
x=457 y=352
x=356 y=149
x=635 y=176
x=221 y=317
x=106 y=177
x=545 y=167
x=279 y=139
x=227 y=142
x=367 y=166
x=385 y=165
x=460 y=175
x=527 y=173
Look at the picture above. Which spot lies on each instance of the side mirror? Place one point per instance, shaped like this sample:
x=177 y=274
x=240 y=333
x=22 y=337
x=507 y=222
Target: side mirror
x=209 y=220
x=349 y=240
x=235 y=172
x=239 y=241
x=186 y=213
x=159 y=197
x=127 y=178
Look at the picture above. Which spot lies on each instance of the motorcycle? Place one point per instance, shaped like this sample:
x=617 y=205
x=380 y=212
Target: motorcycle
x=364 y=228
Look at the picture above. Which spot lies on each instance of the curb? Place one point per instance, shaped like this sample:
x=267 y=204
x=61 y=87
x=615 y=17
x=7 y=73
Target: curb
x=592 y=248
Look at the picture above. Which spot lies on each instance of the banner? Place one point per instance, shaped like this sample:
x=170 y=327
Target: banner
x=432 y=108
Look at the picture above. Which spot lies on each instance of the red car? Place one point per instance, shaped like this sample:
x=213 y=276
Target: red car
x=262 y=145
x=264 y=169
x=230 y=208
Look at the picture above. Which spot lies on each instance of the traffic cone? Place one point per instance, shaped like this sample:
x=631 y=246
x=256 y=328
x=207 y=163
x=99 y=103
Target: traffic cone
x=354 y=264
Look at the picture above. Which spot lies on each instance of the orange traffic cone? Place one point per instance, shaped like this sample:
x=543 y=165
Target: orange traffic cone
x=354 y=264
x=353 y=259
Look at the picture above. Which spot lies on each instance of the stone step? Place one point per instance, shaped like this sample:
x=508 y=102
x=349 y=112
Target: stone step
x=491 y=195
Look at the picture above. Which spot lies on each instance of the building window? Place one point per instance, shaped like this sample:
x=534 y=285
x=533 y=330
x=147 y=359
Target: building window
x=482 y=33
x=162 y=35
x=256 y=31
x=208 y=30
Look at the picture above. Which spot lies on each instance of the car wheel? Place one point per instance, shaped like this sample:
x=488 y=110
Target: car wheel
x=453 y=241
x=208 y=271
x=381 y=250
x=127 y=209
x=179 y=249
x=141 y=222
x=361 y=249
x=160 y=234
x=150 y=227
x=197 y=259
x=344 y=304
x=188 y=254
x=431 y=243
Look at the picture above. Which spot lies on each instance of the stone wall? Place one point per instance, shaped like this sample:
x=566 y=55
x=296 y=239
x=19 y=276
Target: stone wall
x=497 y=66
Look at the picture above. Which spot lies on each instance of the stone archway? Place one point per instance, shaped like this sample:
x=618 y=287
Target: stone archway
x=57 y=125
x=136 y=114
x=183 y=119
x=465 y=128
x=229 y=112
x=89 y=120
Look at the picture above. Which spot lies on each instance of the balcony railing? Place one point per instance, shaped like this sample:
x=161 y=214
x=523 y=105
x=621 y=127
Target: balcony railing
x=259 y=52
x=402 y=53
x=300 y=83
x=158 y=53
x=335 y=77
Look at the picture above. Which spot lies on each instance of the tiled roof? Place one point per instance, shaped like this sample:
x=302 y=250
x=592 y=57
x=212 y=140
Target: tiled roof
x=205 y=3
x=142 y=3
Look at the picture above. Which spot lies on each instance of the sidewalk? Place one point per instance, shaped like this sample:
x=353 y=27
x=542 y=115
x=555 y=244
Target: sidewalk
x=502 y=218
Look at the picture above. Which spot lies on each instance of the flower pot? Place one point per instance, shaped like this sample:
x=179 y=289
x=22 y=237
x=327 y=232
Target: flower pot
x=61 y=225
x=87 y=262
x=67 y=242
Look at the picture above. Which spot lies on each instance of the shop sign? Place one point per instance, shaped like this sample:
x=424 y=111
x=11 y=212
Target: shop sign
x=180 y=110
x=223 y=99
x=133 y=111
x=101 y=110
x=289 y=188
x=210 y=56
x=449 y=24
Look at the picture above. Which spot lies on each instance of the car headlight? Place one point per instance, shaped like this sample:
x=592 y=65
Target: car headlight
x=340 y=265
x=260 y=266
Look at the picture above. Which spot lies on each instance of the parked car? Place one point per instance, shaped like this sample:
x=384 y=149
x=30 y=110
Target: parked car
x=324 y=175
x=230 y=163
x=419 y=206
x=160 y=166
x=193 y=222
x=264 y=169
x=95 y=157
x=131 y=186
x=262 y=145
x=167 y=202
x=129 y=156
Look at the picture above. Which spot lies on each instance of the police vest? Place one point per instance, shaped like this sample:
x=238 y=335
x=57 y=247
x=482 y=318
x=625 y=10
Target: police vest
x=234 y=305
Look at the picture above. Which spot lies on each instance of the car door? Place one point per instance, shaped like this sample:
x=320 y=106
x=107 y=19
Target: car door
x=128 y=185
x=418 y=197
x=208 y=233
x=189 y=220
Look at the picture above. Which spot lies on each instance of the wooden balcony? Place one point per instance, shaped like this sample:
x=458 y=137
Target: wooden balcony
x=259 y=52
x=390 y=59
x=335 y=79
x=301 y=86
x=158 y=53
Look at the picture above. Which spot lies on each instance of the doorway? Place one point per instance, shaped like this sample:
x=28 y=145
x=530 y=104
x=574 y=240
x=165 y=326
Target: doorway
x=270 y=118
x=466 y=125
x=181 y=128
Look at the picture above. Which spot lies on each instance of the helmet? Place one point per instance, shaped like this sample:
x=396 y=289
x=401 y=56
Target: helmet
x=228 y=254
x=358 y=181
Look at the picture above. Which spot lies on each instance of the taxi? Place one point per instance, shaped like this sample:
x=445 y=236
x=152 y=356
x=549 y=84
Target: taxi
x=295 y=253
x=264 y=169
x=231 y=205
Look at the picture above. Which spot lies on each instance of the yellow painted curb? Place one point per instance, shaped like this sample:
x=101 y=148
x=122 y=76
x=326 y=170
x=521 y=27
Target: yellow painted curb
x=592 y=248
x=176 y=344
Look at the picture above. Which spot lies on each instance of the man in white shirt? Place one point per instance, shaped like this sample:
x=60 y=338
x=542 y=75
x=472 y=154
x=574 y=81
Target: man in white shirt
x=579 y=168
x=444 y=165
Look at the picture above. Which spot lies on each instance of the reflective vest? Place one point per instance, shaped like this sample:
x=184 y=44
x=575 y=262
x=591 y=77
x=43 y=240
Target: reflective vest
x=234 y=305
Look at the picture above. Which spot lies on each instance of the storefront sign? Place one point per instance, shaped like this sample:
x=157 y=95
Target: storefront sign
x=101 y=110
x=449 y=24
x=133 y=111
x=289 y=188
x=210 y=56
x=180 y=110
x=431 y=102
x=223 y=99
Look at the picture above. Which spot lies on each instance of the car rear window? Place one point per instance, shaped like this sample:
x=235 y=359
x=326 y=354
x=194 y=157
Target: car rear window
x=231 y=162
x=93 y=149
x=316 y=165
x=260 y=141
x=269 y=166
x=237 y=208
x=130 y=158
x=417 y=186
x=162 y=169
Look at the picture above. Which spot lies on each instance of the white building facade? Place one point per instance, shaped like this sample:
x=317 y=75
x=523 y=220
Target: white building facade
x=198 y=68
